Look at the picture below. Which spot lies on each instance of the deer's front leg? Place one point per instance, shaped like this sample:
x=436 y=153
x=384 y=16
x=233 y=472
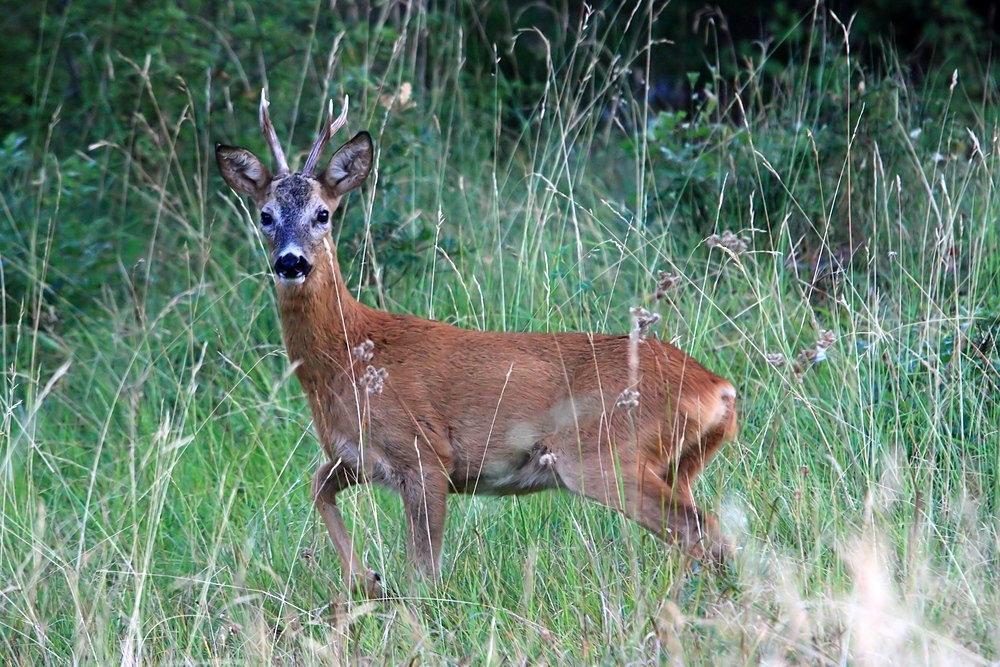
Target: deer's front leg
x=424 y=497
x=330 y=479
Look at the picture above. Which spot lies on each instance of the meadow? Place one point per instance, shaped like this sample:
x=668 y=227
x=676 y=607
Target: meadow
x=821 y=233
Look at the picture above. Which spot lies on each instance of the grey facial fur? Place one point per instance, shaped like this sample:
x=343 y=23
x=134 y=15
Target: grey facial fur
x=294 y=206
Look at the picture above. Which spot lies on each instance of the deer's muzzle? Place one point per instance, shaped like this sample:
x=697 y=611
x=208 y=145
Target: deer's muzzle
x=292 y=266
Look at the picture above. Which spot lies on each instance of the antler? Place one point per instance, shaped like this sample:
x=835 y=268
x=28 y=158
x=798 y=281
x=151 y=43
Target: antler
x=271 y=136
x=330 y=128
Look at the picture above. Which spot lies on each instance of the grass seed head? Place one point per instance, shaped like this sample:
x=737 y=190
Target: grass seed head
x=730 y=241
x=665 y=283
x=776 y=359
x=364 y=352
x=373 y=380
x=805 y=359
x=547 y=460
x=813 y=355
x=642 y=319
x=826 y=339
x=628 y=399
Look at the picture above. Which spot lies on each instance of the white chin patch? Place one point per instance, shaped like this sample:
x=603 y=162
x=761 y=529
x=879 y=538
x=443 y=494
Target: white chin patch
x=292 y=281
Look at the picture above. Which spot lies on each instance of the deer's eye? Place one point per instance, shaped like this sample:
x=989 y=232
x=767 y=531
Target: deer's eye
x=323 y=216
x=266 y=219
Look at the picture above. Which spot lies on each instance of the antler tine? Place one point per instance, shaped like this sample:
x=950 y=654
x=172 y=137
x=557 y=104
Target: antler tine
x=330 y=128
x=342 y=118
x=271 y=136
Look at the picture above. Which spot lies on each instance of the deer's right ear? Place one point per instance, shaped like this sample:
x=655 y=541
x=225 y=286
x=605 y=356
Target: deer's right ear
x=243 y=171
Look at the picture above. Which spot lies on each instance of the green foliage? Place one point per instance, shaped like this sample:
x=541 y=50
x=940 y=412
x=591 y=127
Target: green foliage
x=69 y=257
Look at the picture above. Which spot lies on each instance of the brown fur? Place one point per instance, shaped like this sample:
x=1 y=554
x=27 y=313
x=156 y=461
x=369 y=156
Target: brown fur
x=471 y=411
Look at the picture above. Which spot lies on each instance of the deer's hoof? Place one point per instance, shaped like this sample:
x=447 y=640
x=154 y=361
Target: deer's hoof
x=714 y=552
x=369 y=585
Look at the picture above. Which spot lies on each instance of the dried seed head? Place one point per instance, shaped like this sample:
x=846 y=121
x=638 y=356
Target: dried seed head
x=363 y=353
x=373 y=380
x=809 y=356
x=777 y=359
x=400 y=99
x=642 y=319
x=735 y=244
x=665 y=282
x=628 y=399
x=826 y=339
x=805 y=359
x=818 y=352
x=547 y=460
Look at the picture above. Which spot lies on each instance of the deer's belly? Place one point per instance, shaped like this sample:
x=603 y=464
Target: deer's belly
x=514 y=472
x=370 y=462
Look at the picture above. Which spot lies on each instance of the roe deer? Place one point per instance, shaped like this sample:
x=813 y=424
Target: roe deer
x=429 y=409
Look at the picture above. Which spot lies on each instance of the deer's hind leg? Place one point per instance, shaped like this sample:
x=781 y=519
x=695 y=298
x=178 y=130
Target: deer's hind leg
x=329 y=480
x=670 y=514
x=700 y=445
x=641 y=494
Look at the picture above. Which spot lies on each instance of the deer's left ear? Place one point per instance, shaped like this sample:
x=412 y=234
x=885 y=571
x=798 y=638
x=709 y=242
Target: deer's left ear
x=349 y=166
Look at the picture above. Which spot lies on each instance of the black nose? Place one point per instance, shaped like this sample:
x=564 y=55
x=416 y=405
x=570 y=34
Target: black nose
x=292 y=265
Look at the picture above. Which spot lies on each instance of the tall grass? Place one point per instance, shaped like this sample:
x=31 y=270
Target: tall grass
x=156 y=451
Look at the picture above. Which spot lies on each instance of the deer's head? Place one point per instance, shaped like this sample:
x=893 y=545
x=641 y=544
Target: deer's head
x=296 y=210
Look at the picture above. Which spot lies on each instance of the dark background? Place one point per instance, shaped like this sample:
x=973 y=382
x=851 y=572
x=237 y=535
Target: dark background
x=56 y=54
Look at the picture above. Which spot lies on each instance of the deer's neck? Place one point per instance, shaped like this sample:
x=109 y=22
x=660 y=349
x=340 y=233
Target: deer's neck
x=321 y=321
